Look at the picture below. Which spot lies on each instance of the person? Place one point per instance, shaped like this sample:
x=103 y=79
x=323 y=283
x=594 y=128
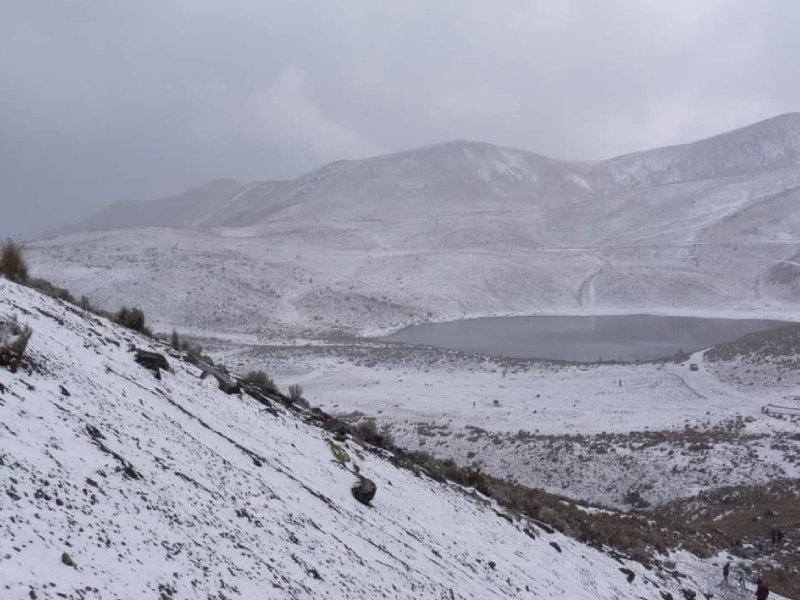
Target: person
x=725 y=572
x=741 y=576
x=762 y=590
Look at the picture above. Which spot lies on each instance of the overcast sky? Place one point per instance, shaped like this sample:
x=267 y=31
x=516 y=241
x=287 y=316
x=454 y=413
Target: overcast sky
x=105 y=100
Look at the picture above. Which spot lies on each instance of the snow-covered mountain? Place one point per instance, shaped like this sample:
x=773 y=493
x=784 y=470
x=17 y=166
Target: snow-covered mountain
x=460 y=177
x=458 y=230
x=120 y=484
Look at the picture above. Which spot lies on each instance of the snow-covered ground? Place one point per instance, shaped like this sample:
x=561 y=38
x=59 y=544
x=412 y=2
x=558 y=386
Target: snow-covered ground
x=169 y=488
x=591 y=432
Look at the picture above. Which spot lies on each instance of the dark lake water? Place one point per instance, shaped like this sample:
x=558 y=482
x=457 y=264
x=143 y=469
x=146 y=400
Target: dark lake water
x=626 y=337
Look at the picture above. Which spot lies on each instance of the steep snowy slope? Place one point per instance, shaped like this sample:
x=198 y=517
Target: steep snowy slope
x=118 y=484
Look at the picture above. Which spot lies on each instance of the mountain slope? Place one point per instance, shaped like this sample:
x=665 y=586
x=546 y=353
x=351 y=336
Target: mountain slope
x=119 y=484
x=187 y=209
x=467 y=230
x=460 y=177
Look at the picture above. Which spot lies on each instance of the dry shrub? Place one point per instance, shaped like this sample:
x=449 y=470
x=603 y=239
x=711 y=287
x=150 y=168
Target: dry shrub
x=12 y=262
x=262 y=381
x=14 y=340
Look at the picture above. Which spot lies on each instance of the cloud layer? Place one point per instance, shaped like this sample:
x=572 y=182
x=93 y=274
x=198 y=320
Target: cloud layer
x=103 y=101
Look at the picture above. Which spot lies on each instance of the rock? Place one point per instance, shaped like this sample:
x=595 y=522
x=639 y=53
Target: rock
x=94 y=432
x=630 y=575
x=152 y=360
x=64 y=391
x=492 y=565
x=689 y=594
x=67 y=560
x=556 y=546
x=364 y=490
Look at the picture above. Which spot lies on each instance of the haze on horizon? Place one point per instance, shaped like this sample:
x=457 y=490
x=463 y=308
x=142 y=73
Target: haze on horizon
x=101 y=102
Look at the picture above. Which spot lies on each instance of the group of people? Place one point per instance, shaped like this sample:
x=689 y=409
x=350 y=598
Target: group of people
x=762 y=589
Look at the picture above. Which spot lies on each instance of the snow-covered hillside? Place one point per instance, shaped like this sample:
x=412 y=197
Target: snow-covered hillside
x=118 y=484
x=462 y=230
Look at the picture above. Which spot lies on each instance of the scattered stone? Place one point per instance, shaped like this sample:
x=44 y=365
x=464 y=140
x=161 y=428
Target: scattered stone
x=67 y=560
x=64 y=391
x=689 y=594
x=364 y=490
x=492 y=565
x=556 y=546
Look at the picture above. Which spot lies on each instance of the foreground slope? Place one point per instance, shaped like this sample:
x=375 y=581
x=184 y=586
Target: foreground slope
x=168 y=488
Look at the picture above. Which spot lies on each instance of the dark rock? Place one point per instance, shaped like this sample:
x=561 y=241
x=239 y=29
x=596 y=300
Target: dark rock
x=667 y=596
x=556 y=546
x=492 y=565
x=628 y=573
x=64 y=391
x=334 y=425
x=32 y=595
x=364 y=490
x=689 y=594
x=67 y=560
x=152 y=360
x=340 y=436
x=94 y=433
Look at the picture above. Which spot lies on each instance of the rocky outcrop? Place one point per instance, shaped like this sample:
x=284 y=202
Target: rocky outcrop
x=153 y=361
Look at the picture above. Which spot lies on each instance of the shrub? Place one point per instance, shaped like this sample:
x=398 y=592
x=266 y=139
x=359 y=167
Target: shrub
x=51 y=290
x=295 y=392
x=13 y=343
x=132 y=318
x=12 y=262
x=262 y=381
x=368 y=432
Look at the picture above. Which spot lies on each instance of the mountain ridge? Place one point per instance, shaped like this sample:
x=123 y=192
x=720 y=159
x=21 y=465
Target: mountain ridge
x=505 y=174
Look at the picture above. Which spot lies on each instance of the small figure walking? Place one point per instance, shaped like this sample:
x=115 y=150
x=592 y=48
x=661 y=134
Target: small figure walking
x=762 y=589
x=741 y=576
x=726 y=570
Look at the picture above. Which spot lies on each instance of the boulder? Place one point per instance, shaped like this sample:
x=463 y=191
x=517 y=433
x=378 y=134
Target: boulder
x=152 y=360
x=364 y=490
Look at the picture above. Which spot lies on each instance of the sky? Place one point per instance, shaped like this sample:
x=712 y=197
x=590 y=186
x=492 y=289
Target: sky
x=104 y=100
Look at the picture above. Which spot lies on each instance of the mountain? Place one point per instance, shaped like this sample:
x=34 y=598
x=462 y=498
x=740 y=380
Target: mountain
x=460 y=177
x=121 y=484
x=187 y=209
x=458 y=230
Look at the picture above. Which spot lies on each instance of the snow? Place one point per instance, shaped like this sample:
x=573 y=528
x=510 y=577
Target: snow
x=201 y=517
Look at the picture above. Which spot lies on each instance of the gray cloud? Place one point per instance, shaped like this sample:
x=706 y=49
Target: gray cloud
x=103 y=101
